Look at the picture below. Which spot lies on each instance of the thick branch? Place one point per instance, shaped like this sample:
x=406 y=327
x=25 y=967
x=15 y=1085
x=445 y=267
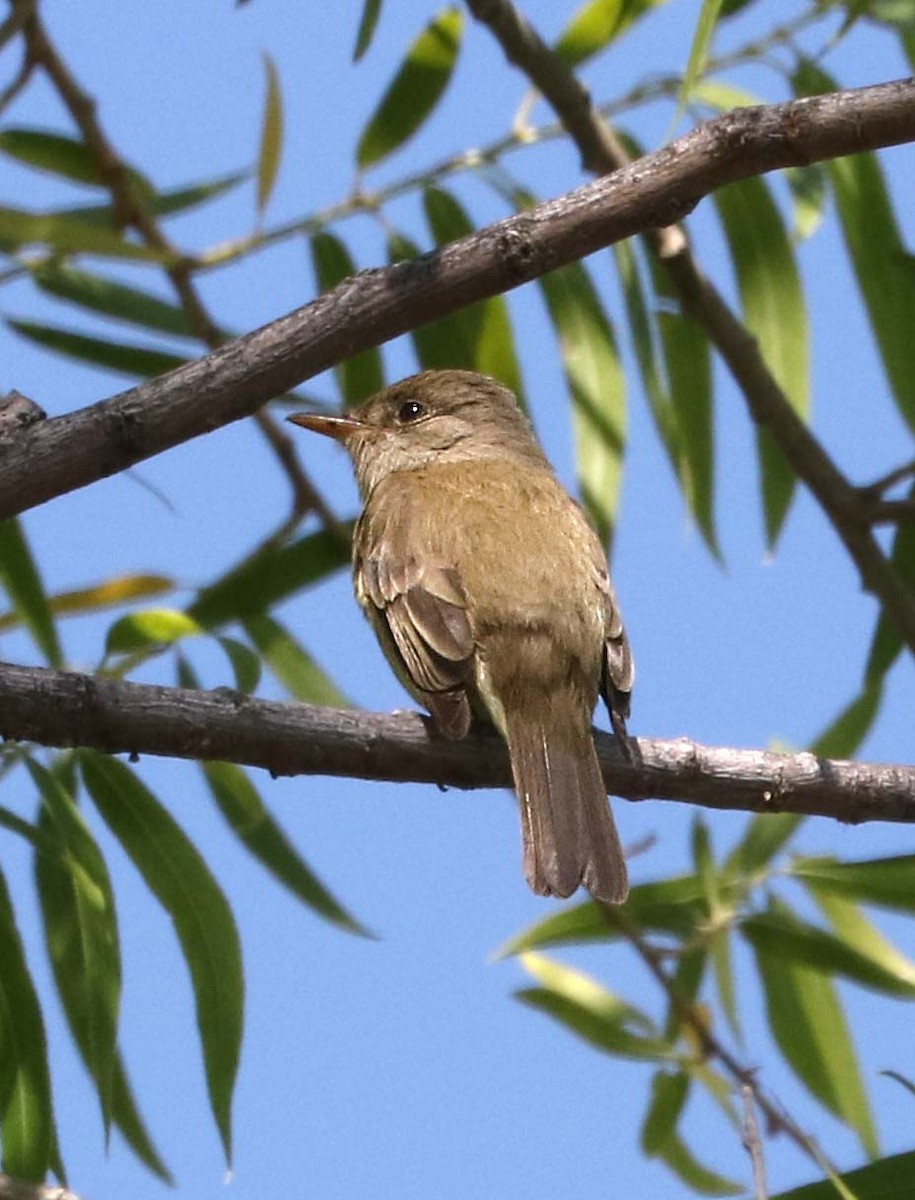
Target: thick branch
x=74 y=450
x=61 y=708
x=603 y=153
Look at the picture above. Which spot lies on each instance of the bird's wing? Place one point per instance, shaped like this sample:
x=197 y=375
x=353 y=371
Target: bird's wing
x=617 y=671
x=419 y=612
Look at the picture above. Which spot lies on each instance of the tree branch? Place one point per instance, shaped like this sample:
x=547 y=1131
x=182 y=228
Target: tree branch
x=77 y=449
x=63 y=708
x=603 y=153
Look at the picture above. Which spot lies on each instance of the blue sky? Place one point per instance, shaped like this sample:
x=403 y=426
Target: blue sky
x=403 y=1066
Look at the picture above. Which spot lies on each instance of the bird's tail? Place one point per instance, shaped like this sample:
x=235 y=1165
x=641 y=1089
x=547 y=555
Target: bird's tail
x=569 y=834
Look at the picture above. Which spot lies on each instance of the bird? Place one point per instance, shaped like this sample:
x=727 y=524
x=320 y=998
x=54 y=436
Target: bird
x=489 y=592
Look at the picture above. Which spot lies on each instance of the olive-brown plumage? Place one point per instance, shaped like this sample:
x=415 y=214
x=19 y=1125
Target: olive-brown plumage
x=489 y=592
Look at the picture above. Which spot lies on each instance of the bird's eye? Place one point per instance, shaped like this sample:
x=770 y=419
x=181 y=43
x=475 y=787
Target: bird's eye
x=411 y=411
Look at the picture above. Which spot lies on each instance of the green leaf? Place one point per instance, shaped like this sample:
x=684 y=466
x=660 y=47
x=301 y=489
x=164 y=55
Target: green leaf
x=592 y=1011
x=415 y=89
x=698 y=51
x=672 y=905
x=598 y=23
x=292 y=665
x=81 y=931
x=132 y=1127
x=271 y=147
x=678 y=391
x=720 y=951
x=268 y=576
x=689 y=374
x=809 y=1026
x=179 y=878
x=854 y=929
x=26 y=1115
x=887 y=882
x=161 y=204
x=766 y=835
x=886 y=1179
x=246 y=666
x=685 y=983
x=137 y=361
x=774 y=310
x=153 y=627
x=60 y=155
x=596 y=381
x=669 y=1093
x=371 y=11
x=70 y=234
x=112 y=299
x=363 y=374
x=243 y=808
x=439 y=344
x=21 y=581
x=783 y=935
x=844 y=735
x=877 y=252
x=482 y=333
x=886 y=645
x=808 y=190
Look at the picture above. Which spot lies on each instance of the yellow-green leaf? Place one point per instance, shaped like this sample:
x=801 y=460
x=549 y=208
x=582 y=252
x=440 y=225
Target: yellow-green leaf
x=775 y=313
x=598 y=23
x=119 y=590
x=271 y=146
x=592 y=1011
x=415 y=89
x=152 y=627
x=179 y=878
x=595 y=377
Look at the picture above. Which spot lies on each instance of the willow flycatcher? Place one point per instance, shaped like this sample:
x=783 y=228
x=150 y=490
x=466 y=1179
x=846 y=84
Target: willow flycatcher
x=489 y=592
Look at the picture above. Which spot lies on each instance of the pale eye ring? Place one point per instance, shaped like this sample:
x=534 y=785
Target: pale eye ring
x=412 y=410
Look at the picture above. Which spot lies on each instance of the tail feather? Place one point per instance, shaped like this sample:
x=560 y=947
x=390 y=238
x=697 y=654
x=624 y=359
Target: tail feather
x=568 y=830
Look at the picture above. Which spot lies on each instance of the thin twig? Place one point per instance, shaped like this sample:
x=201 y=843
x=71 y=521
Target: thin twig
x=777 y=1119
x=753 y=1142
x=879 y=488
x=131 y=210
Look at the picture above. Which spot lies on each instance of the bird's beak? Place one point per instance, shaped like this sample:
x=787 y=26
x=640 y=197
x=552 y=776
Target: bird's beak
x=338 y=428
